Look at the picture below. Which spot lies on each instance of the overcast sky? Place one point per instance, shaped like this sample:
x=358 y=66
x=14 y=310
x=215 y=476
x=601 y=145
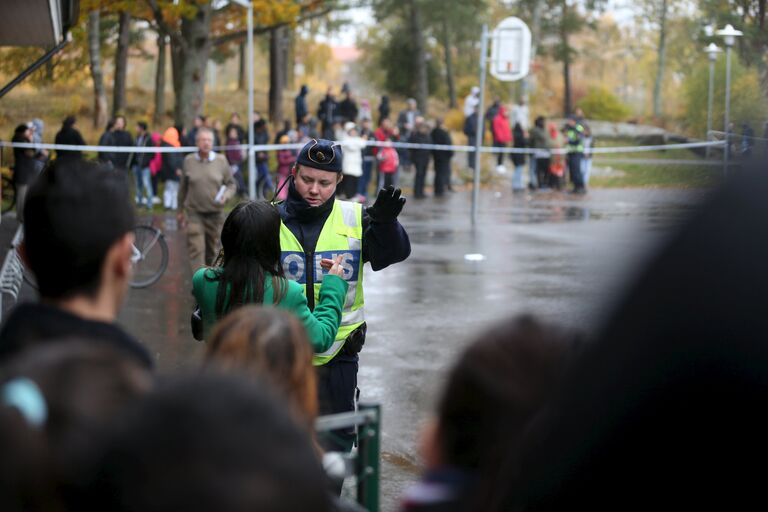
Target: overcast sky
x=362 y=18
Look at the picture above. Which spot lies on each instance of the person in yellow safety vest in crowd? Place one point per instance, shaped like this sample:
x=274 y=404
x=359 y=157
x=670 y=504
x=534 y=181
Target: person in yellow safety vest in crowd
x=316 y=228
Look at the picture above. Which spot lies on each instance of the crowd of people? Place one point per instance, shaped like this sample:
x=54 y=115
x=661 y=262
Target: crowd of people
x=509 y=127
x=660 y=406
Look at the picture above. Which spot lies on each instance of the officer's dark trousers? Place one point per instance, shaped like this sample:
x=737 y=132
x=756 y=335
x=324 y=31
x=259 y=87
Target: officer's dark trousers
x=574 y=168
x=336 y=387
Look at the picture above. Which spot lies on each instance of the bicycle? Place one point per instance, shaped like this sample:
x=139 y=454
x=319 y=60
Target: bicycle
x=149 y=256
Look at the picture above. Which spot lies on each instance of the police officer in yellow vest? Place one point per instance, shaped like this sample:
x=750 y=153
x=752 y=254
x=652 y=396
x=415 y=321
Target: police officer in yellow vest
x=316 y=228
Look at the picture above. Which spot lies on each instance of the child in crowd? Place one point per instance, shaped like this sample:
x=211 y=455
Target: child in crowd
x=389 y=161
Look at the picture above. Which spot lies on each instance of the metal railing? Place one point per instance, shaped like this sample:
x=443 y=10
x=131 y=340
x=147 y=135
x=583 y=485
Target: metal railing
x=366 y=461
x=12 y=271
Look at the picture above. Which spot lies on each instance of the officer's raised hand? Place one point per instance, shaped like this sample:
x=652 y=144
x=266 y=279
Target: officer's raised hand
x=387 y=206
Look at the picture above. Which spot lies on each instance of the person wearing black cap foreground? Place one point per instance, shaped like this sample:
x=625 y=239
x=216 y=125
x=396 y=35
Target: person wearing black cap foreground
x=317 y=228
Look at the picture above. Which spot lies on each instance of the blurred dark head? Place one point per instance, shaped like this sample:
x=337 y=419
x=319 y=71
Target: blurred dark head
x=57 y=399
x=667 y=406
x=76 y=214
x=271 y=345
x=69 y=122
x=20 y=130
x=540 y=122
x=209 y=443
x=493 y=392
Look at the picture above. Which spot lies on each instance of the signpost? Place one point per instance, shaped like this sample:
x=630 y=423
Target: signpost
x=510 y=60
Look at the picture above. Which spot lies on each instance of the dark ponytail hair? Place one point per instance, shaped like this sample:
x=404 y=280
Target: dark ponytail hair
x=250 y=242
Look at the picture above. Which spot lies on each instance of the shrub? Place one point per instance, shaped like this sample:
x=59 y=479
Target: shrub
x=601 y=104
x=747 y=101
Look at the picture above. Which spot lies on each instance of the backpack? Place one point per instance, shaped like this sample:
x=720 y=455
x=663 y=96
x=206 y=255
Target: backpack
x=388 y=160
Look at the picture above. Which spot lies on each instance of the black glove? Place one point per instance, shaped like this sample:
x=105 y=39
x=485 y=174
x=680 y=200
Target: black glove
x=387 y=206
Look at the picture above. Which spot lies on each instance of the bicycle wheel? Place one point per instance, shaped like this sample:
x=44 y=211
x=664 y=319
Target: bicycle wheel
x=8 y=194
x=150 y=256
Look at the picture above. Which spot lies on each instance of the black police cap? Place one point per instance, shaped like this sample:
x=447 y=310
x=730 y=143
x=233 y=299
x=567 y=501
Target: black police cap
x=321 y=154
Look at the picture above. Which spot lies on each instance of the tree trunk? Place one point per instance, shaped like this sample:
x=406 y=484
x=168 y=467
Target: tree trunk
x=160 y=80
x=528 y=83
x=276 y=75
x=190 y=56
x=97 y=74
x=121 y=64
x=242 y=67
x=417 y=39
x=290 y=59
x=448 y=50
x=661 y=52
x=566 y=49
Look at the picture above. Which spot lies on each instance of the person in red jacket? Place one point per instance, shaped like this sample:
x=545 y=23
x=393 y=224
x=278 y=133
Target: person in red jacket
x=502 y=132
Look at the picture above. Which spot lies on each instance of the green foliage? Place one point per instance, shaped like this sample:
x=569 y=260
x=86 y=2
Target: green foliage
x=747 y=102
x=396 y=59
x=600 y=103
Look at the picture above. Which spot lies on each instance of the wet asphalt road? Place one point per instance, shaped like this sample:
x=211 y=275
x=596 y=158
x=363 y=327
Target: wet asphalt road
x=558 y=256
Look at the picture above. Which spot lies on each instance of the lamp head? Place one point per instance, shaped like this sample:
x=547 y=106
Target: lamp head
x=712 y=50
x=729 y=34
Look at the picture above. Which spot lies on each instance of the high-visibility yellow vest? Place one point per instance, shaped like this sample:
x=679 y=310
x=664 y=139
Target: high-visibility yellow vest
x=342 y=234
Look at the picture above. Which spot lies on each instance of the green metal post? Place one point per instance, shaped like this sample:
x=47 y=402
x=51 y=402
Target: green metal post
x=368 y=460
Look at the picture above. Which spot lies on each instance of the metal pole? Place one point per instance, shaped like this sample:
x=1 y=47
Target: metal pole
x=726 y=153
x=368 y=460
x=709 y=99
x=251 y=154
x=33 y=67
x=480 y=123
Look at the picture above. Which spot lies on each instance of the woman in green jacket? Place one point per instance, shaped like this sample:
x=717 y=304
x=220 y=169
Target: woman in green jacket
x=249 y=272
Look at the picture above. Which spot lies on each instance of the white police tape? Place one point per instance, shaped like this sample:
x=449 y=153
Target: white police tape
x=397 y=145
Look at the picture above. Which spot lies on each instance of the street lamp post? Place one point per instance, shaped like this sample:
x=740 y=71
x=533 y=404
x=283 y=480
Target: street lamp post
x=251 y=155
x=729 y=35
x=712 y=50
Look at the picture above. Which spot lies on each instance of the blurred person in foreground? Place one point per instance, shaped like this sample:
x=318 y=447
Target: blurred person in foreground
x=209 y=443
x=272 y=345
x=666 y=407
x=82 y=267
x=494 y=391
x=55 y=402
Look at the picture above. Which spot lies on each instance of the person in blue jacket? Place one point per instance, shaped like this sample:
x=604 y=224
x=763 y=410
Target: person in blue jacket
x=317 y=228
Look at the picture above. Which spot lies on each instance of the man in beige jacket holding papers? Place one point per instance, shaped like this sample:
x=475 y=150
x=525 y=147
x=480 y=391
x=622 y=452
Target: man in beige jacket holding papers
x=206 y=185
